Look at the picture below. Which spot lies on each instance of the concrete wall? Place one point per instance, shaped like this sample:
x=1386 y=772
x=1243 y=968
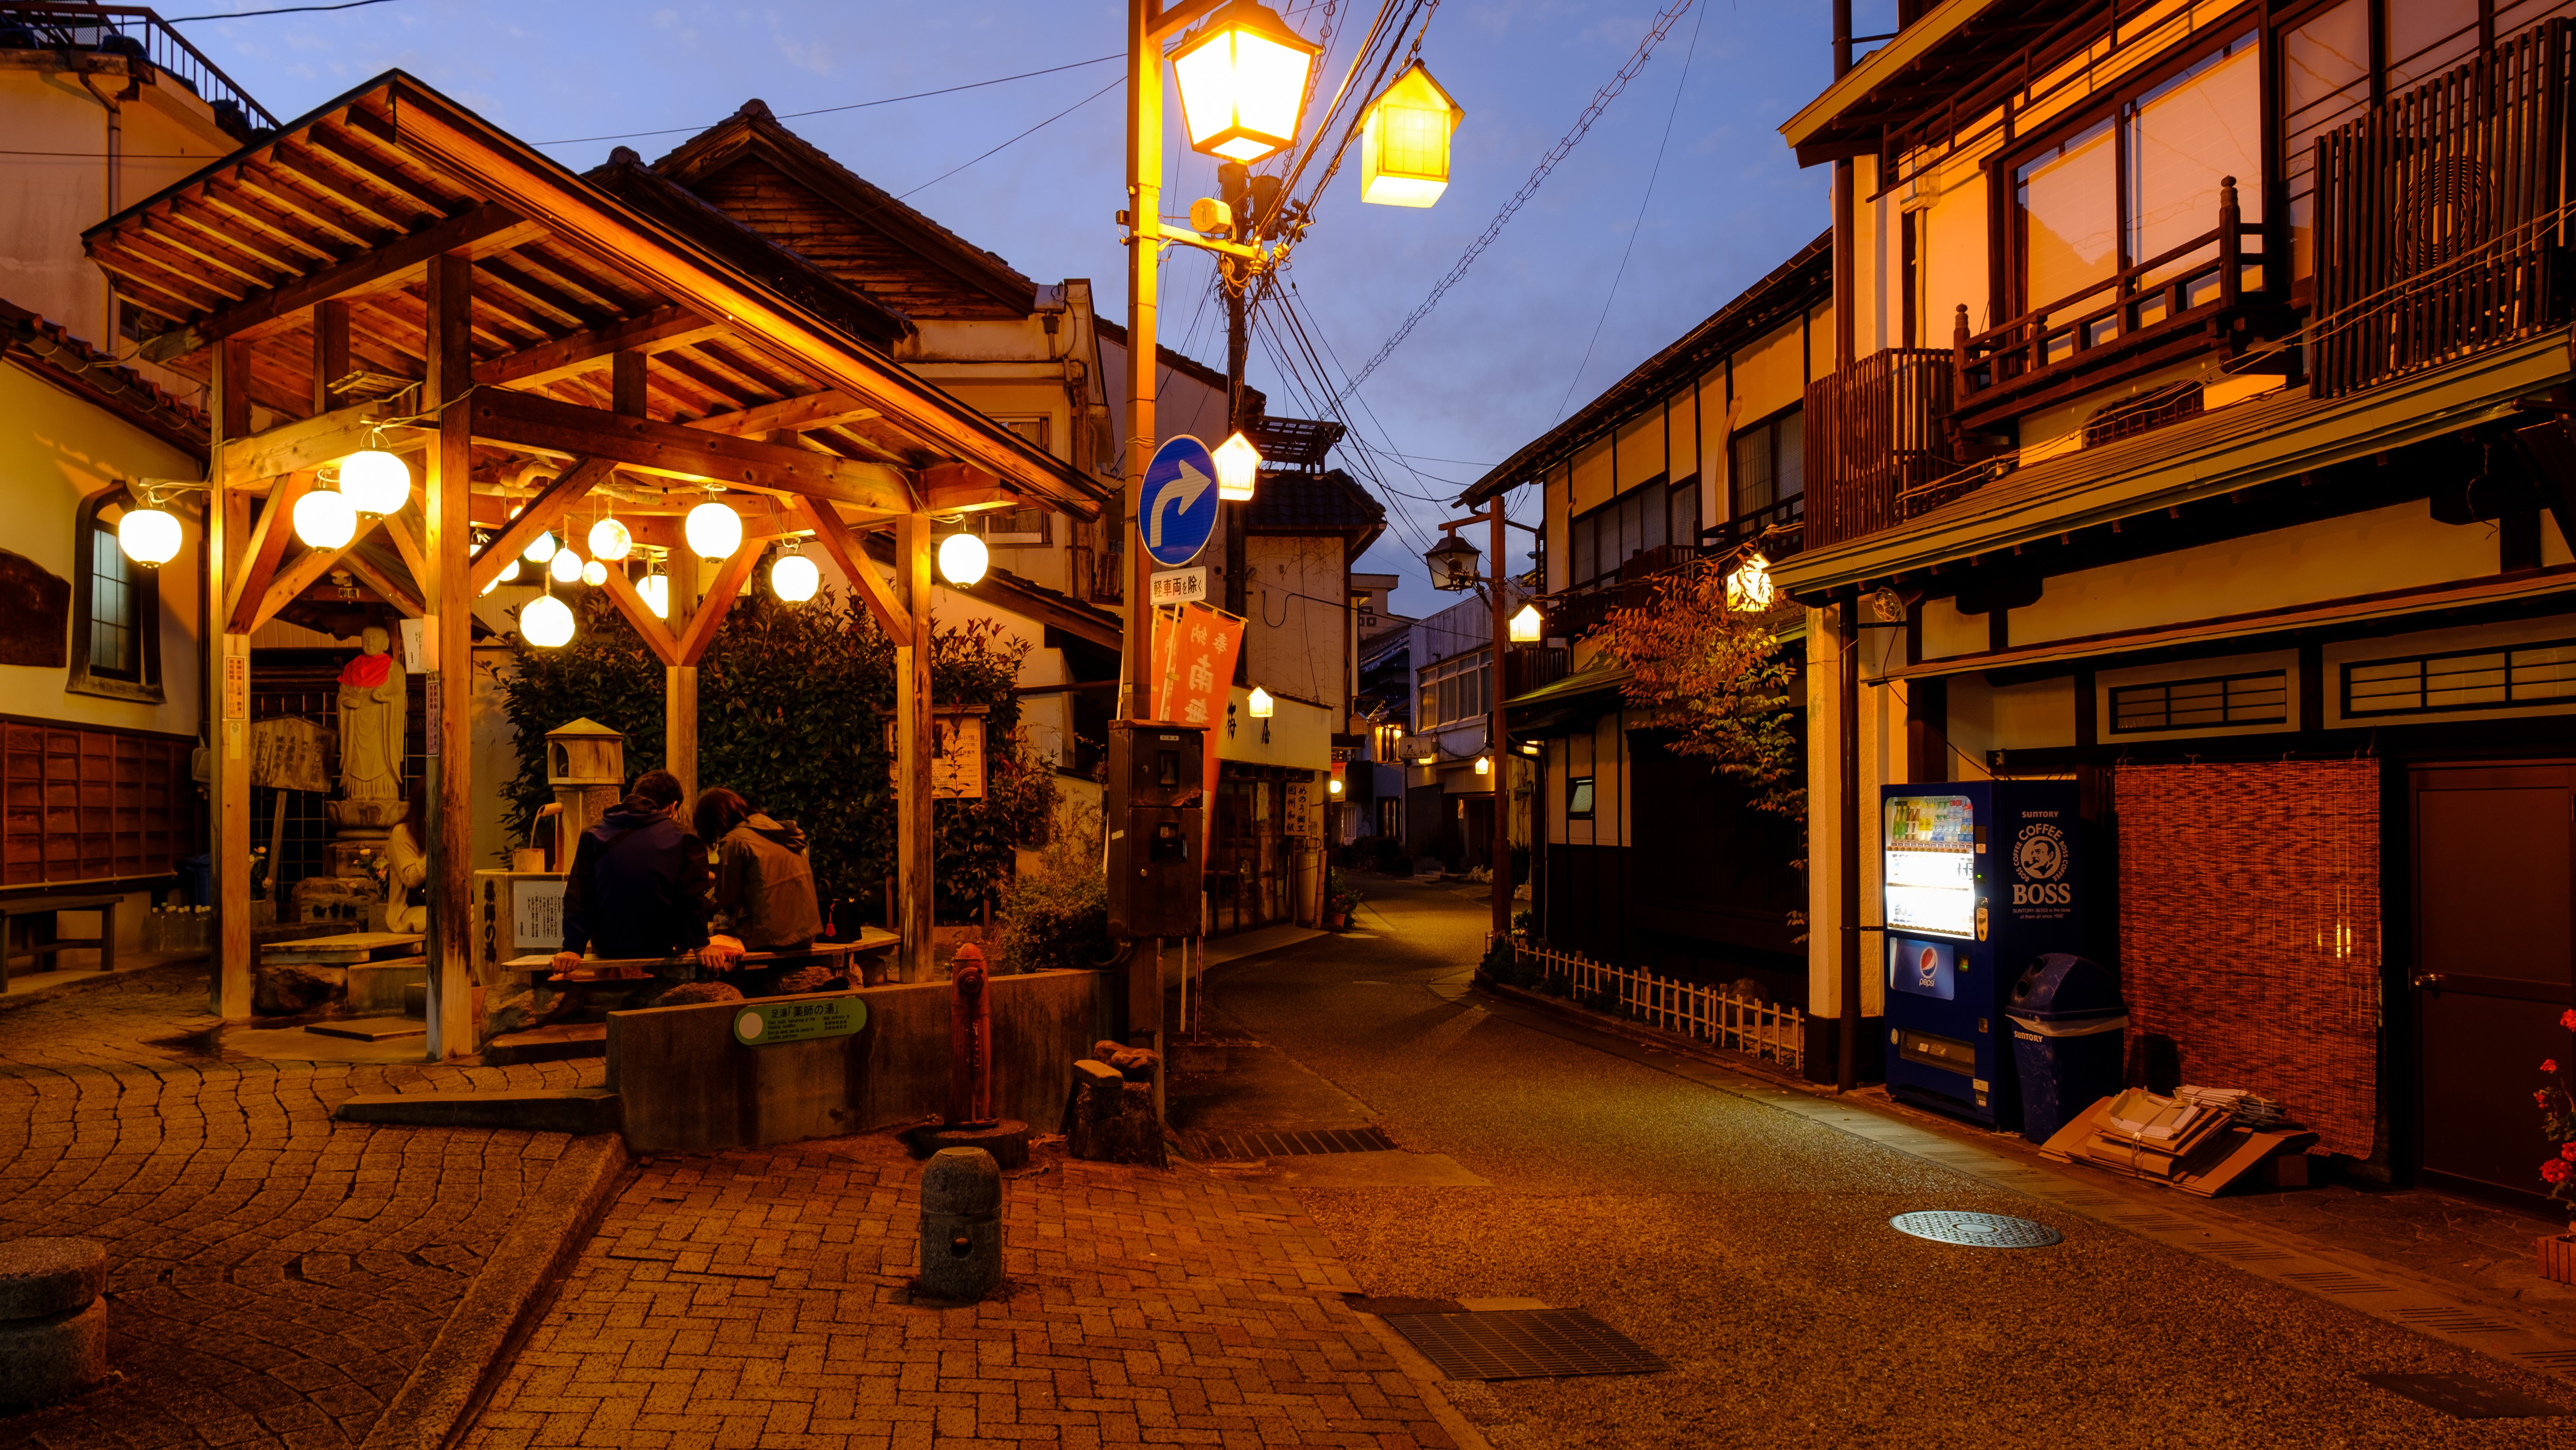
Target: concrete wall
x=1296 y=643
x=685 y=1085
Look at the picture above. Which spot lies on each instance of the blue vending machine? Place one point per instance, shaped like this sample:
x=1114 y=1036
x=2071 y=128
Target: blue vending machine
x=1980 y=880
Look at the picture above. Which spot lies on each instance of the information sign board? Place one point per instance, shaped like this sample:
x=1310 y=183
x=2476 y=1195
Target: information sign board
x=766 y=1024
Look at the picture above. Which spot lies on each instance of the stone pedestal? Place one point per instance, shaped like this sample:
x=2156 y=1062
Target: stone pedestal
x=53 y=1329
x=961 y=1225
x=1006 y=1140
x=1111 y=1120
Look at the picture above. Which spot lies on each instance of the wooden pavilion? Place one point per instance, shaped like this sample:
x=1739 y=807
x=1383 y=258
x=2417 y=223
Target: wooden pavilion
x=547 y=336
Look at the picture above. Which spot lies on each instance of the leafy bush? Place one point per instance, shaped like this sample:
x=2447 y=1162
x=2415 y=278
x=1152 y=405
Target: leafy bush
x=793 y=703
x=1056 y=915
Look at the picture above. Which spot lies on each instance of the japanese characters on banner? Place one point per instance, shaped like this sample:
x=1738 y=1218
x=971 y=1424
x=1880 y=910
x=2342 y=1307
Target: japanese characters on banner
x=1194 y=649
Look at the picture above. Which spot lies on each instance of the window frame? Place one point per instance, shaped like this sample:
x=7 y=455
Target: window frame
x=1458 y=671
x=1770 y=423
x=143 y=585
x=1580 y=787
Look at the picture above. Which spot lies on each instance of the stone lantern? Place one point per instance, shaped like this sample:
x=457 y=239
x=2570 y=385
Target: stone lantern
x=586 y=766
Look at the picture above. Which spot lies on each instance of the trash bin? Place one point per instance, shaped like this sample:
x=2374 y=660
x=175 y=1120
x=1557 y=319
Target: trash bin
x=2067 y=1027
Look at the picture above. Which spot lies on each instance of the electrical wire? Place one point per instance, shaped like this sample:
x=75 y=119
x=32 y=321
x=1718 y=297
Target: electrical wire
x=1547 y=164
x=852 y=106
x=1022 y=136
x=280 y=10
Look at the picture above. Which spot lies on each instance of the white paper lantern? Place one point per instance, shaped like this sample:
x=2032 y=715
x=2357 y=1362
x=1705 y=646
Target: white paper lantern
x=566 y=567
x=540 y=549
x=324 y=520
x=148 y=536
x=375 y=481
x=714 y=531
x=962 y=558
x=510 y=572
x=546 y=622
x=655 y=591
x=610 y=540
x=594 y=573
x=794 y=578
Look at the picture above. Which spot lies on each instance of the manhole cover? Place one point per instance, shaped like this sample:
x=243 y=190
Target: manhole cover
x=1292 y=1142
x=1514 y=1344
x=1977 y=1230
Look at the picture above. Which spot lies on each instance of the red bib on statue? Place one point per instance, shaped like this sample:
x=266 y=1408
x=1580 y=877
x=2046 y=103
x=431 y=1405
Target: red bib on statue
x=367 y=671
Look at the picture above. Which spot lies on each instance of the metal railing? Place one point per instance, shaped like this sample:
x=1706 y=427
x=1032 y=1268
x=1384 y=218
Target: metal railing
x=136 y=33
x=2441 y=216
x=1874 y=435
x=1696 y=1010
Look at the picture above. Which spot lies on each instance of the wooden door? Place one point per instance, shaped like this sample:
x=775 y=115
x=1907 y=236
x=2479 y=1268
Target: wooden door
x=2494 y=967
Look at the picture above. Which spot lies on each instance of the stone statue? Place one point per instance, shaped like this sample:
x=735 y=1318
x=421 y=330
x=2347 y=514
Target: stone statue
x=371 y=741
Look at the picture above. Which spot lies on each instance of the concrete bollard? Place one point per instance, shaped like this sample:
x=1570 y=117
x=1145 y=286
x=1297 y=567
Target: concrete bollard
x=961 y=1224
x=53 y=1329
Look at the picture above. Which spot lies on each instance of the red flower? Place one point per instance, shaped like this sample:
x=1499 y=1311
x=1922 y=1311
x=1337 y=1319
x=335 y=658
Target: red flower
x=2567 y=1152
x=2554 y=1171
x=2567 y=1019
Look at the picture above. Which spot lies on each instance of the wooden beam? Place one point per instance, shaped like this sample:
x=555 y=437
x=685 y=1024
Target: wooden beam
x=656 y=635
x=267 y=545
x=227 y=697
x=914 y=849
x=525 y=420
x=454 y=1022
x=542 y=513
x=305 y=571
x=306 y=443
x=490 y=228
x=809 y=410
x=330 y=350
x=663 y=327
x=731 y=575
x=385 y=585
x=414 y=557
x=843 y=546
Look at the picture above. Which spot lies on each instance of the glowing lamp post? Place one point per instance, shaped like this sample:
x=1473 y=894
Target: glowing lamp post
x=1404 y=142
x=1238 y=469
x=1243 y=82
x=1528 y=626
x=1453 y=564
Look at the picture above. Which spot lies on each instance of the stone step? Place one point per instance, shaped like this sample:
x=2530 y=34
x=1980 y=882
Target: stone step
x=535 y=1110
x=548 y=1044
x=370 y=1029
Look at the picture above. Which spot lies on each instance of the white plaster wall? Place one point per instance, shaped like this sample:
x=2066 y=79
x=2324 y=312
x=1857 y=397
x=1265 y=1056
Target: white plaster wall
x=1293 y=638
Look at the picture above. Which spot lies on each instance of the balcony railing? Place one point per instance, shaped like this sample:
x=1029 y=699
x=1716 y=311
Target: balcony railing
x=138 y=34
x=1874 y=439
x=2439 y=217
x=2135 y=317
x=1526 y=667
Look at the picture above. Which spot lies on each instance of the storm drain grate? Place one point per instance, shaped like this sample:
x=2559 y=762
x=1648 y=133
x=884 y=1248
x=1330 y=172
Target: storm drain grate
x=1293 y=1142
x=1976 y=1230
x=2447 y=1320
x=1519 y=1344
x=2464 y=1397
x=2334 y=1281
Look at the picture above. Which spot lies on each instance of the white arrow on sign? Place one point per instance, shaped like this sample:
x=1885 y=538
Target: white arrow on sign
x=1181 y=493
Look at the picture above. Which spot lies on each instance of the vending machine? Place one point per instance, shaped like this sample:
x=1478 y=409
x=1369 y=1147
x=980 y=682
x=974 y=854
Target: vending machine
x=1980 y=880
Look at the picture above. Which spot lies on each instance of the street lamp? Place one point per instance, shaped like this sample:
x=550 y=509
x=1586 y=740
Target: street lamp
x=963 y=559
x=1404 y=143
x=1238 y=469
x=1243 y=82
x=148 y=534
x=1748 y=588
x=1453 y=564
x=1528 y=626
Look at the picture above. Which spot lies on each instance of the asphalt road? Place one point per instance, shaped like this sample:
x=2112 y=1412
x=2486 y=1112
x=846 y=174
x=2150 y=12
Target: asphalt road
x=1751 y=1249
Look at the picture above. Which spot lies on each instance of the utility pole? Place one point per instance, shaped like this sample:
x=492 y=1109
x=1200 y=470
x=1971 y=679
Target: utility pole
x=1498 y=737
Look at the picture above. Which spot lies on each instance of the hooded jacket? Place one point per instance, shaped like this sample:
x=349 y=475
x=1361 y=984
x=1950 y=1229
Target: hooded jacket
x=764 y=886
x=637 y=887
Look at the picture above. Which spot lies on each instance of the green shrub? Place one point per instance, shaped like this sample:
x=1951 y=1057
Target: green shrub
x=1056 y=915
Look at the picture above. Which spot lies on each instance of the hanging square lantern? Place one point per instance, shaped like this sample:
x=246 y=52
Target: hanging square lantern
x=1238 y=469
x=1404 y=142
x=1243 y=82
x=1453 y=563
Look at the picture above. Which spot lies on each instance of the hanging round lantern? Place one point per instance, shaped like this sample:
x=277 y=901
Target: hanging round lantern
x=566 y=567
x=793 y=577
x=655 y=591
x=962 y=559
x=324 y=520
x=609 y=540
x=510 y=572
x=714 y=531
x=540 y=549
x=546 y=622
x=594 y=573
x=148 y=536
x=376 y=481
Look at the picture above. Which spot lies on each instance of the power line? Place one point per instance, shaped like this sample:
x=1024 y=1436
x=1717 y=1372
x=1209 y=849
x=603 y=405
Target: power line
x=1024 y=135
x=1639 y=224
x=852 y=106
x=280 y=10
x=1547 y=164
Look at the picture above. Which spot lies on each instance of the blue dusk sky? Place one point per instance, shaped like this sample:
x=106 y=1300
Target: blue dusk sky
x=1502 y=358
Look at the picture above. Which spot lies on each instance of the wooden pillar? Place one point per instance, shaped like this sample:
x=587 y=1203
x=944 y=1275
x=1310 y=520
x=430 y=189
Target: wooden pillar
x=227 y=705
x=448 y=607
x=912 y=749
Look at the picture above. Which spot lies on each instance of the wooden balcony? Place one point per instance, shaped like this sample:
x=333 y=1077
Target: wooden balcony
x=2182 y=301
x=2439 y=222
x=1875 y=440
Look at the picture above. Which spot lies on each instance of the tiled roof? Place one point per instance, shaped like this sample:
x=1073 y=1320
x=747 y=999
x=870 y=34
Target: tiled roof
x=1314 y=503
x=76 y=367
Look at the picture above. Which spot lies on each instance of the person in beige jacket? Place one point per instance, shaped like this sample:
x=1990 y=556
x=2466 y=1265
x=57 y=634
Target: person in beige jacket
x=764 y=889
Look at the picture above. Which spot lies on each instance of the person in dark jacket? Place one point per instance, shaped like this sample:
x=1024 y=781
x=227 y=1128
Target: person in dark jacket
x=638 y=884
x=764 y=887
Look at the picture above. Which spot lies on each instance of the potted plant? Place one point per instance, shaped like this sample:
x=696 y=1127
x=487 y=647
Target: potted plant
x=1339 y=902
x=2558 y=1120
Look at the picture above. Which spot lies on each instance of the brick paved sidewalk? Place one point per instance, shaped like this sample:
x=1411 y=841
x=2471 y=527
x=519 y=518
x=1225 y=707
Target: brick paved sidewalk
x=761 y=1297
x=273 y=1276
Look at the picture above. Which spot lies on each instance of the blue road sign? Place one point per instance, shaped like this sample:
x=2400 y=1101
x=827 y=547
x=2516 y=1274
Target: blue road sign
x=1178 y=509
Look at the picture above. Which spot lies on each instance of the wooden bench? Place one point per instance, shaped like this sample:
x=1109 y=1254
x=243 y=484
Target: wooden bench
x=623 y=973
x=43 y=945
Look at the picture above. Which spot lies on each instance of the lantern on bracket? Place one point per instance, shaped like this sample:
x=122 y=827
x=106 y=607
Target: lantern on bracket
x=1528 y=626
x=1238 y=469
x=793 y=576
x=1404 y=142
x=149 y=534
x=1748 y=586
x=1242 y=79
x=1453 y=563
x=963 y=559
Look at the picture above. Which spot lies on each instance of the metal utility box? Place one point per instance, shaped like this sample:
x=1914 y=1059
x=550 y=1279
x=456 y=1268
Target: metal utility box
x=1157 y=826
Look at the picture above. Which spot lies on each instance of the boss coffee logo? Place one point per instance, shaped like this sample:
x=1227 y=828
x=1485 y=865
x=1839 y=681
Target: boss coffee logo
x=2039 y=868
